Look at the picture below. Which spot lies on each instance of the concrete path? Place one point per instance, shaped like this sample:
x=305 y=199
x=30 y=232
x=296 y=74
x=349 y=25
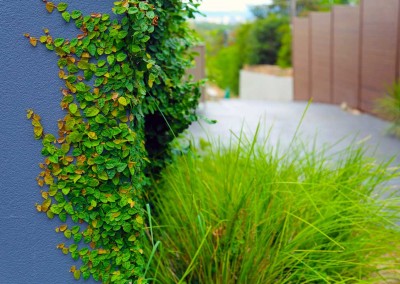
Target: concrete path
x=325 y=124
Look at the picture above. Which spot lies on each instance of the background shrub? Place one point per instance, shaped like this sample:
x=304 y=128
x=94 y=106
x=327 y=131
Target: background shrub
x=265 y=39
x=389 y=108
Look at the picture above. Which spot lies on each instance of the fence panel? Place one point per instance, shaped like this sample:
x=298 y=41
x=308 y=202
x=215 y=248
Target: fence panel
x=379 y=49
x=346 y=55
x=301 y=58
x=321 y=57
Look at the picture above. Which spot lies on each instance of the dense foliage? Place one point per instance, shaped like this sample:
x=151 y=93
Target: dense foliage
x=228 y=49
x=125 y=98
x=264 y=40
x=249 y=213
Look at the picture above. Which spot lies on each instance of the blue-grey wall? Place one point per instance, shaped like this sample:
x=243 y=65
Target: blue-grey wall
x=29 y=79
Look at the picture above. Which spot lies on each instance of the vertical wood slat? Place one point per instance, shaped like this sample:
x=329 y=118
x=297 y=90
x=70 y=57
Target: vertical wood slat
x=321 y=57
x=346 y=55
x=379 y=49
x=301 y=58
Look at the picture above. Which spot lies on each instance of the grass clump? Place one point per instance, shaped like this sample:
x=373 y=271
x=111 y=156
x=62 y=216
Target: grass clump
x=247 y=213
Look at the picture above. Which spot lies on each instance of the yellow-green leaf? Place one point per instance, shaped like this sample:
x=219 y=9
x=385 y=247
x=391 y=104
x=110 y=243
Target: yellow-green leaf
x=122 y=101
x=77 y=274
x=103 y=176
x=139 y=219
x=73 y=108
x=62 y=6
x=92 y=111
x=92 y=135
x=46 y=205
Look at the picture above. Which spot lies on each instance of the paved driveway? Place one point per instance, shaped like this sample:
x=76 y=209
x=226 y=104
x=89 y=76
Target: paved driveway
x=328 y=124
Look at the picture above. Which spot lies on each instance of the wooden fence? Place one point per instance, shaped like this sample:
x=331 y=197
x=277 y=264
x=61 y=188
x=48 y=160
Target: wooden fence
x=351 y=54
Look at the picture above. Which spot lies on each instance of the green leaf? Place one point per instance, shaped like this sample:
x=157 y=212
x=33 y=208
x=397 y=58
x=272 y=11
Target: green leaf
x=69 y=209
x=67 y=234
x=62 y=6
x=119 y=10
x=121 y=167
x=135 y=48
x=150 y=15
x=77 y=238
x=111 y=164
x=111 y=59
x=53 y=190
x=100 y=160
x=86 y=275
x=100 y=149
x=65 y=190
x=92 y=49
x=121 y=56
x=73 y=108
x=92 y=111
x=122 y=34
x=62 y=216
x=129 y=86
x=73 y=247
x=73 y=42
x=101 y=119
x=83 y=251
x=76 y=14
x=58 y=42
x=75 y=229
x=145 y=38
x=66 y=16
x=72 y=68
x=101 y=63
x=74 y=136
x=49 y=138
x=65 y=147
x=84 y=65
x=66 y=49
x=82 y=87
x=50 y=214
x=143 y=6
x=103 y=176
x=98 y=82
x=133 y=10
x=49 y=46
x=56 y=209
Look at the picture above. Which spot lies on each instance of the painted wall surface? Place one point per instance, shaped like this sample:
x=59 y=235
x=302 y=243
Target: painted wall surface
x=258 y=86
x=29 y=79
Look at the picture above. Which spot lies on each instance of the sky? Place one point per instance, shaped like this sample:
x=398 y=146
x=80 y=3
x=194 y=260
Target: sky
x=229 y=5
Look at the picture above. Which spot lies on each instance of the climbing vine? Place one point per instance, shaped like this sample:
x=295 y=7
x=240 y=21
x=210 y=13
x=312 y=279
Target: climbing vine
x=125 y=98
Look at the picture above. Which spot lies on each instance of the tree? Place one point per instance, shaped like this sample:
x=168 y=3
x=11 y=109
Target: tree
x=265 y=40
x=303 y=7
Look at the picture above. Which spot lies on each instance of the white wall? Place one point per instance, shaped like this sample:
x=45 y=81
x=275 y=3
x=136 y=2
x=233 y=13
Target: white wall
x=259 y=86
